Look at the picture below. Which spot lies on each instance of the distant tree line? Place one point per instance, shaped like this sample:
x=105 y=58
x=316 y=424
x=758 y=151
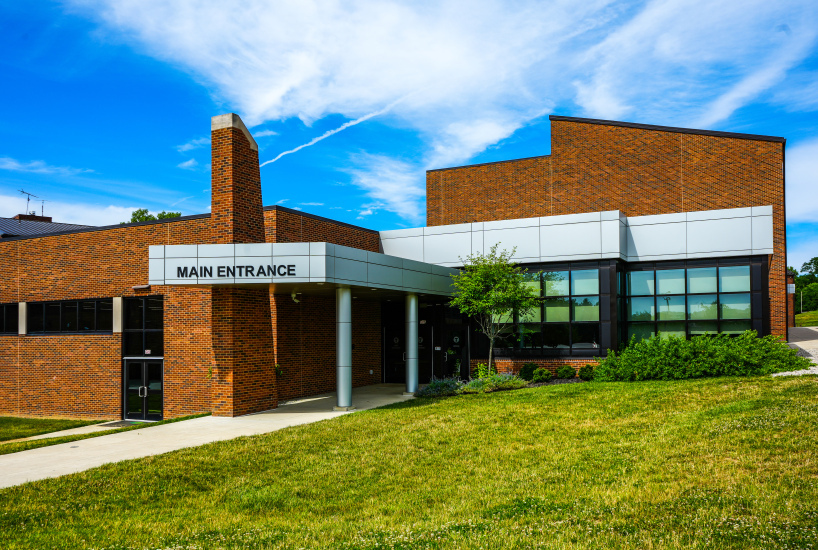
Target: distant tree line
x=142 y=215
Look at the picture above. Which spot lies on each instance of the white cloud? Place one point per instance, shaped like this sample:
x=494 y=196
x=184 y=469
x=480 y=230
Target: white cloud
x=188 y=164
x=197 y=143
x=39 y=167
x=802 y=182
x=71 y=212
x=392 y=184
x=311 y=203
x=264 y=133
x=470 y=73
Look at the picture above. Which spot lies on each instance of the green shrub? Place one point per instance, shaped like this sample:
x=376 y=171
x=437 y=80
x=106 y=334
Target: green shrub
x=494 y=382
x=566 y=371
x=675 y=358
x=440 y=387
x=586 y=372
x=527 y=372
x=541 y=375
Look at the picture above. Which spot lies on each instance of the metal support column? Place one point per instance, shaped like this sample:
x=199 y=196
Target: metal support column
x=411 y=344
x=343 y=348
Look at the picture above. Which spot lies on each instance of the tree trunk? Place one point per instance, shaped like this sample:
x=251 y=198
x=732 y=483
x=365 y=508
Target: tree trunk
x=491 y=353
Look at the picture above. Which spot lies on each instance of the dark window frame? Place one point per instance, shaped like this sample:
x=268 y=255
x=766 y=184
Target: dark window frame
x=5 y=315
x=757 y=292
x=141 y=331
x=30 y=306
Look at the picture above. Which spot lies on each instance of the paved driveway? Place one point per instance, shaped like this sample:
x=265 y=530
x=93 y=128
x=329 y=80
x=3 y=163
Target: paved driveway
x=76 y=456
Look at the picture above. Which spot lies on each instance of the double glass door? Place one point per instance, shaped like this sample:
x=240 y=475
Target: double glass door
x=143 y=389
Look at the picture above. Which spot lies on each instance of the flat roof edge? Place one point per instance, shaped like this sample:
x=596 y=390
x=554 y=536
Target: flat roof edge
x=316 y=217
x=601 y=122
x=106 y=227
x=486 y=163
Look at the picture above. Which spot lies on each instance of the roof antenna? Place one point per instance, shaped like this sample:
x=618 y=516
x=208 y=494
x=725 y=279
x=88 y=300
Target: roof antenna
x=42 y=207
x=28 y=198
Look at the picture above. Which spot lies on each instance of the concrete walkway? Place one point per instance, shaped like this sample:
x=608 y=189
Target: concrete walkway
x=806 y=339
x=77 y=456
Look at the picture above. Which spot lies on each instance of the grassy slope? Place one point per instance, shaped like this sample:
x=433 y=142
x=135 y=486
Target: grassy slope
x=720 y=463
x=807 y=319
x=16 y=428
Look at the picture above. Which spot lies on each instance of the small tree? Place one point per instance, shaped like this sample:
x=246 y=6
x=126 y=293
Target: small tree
x=142 y=215
x=491 y=289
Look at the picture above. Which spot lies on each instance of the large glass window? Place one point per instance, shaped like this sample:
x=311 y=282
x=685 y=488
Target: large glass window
x=568 y=317
x=688 y=301
x=70 y=316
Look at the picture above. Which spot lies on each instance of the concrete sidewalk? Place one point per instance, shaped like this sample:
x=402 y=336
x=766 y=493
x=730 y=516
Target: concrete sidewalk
x=76 y=456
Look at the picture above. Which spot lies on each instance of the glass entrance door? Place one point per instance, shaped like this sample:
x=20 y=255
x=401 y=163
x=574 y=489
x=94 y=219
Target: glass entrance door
x=143 y=390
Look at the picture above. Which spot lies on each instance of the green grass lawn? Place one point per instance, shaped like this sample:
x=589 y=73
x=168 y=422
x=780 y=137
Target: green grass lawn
x=718 y=463
x=16 y=428
x=806 y=319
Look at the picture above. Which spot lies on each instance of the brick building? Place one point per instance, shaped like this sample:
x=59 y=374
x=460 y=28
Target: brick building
x=627 y=230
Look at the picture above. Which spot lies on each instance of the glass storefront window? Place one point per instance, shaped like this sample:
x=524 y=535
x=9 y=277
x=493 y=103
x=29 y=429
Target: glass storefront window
x=556 y=283
x=642 y=331
x=556 y=310
x=503 y=318
x=530 y=336
x=672 y=329
x=585 y=281
x=671 y=308
x=533 y=316
x=701 y=280
x=670 y=281
x=734 y=278
x=640 y=283
x=585 y=335
x=586 y=308
x=702 y=307
x=735 y=327
x=699 y=328
x=735 y=306
x=556 y=336
x=641 y=309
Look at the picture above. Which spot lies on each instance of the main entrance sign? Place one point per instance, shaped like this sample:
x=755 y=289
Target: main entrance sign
x=284 y=263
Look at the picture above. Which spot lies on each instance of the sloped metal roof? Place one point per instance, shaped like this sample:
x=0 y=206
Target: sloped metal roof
x=15 y=228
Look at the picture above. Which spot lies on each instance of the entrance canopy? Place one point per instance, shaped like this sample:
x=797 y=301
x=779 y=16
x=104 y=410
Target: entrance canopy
x=285 y=265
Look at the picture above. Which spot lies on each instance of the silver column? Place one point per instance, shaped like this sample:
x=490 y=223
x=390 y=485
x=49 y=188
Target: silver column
x=343 y=348
x=411 y=343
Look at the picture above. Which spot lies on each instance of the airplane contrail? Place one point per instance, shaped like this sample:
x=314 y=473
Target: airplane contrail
x=343 y=126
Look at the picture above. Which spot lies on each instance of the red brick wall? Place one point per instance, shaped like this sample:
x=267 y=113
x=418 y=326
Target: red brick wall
x=594 y=167
x=288 y=226
x=507 y=365
x=244 y=373
x=80 y=375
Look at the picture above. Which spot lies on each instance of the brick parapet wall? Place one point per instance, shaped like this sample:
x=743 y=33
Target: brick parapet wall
x=287 y=226
x=638 y=171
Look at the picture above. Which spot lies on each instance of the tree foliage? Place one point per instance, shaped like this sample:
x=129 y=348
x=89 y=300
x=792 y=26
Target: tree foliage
x=142 y=215
x=490 y=288
x=806 y=286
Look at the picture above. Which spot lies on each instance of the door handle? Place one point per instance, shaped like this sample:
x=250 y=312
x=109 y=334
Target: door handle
x=404 y=356
x=140 y=391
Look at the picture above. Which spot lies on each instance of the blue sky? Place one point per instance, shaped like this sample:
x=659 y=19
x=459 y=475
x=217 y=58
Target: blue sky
x=107 y=103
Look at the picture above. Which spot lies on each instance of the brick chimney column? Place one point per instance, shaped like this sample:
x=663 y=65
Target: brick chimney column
x=242 y=333
x=236 y=208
